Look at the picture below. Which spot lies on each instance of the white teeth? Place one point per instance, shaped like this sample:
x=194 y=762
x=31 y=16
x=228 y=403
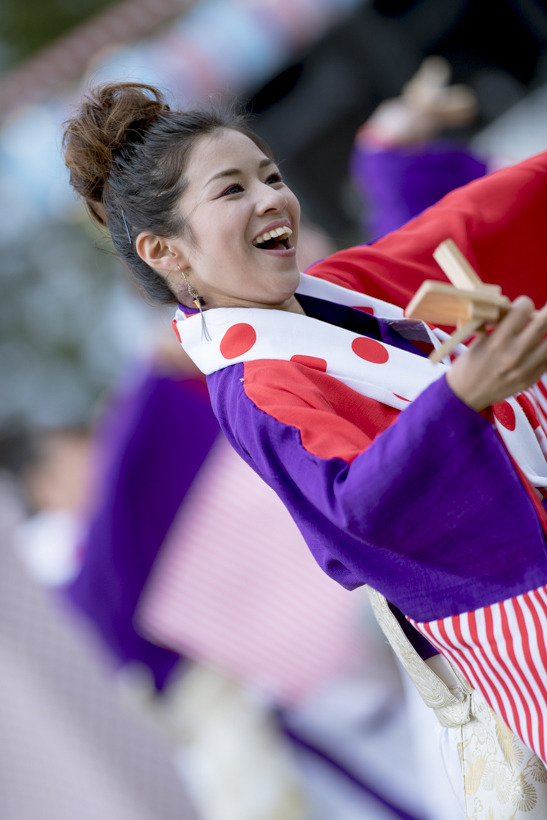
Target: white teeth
x=276 y=233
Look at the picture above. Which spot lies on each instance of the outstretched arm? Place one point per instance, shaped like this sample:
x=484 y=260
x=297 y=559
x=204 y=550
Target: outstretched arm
x=431 y=512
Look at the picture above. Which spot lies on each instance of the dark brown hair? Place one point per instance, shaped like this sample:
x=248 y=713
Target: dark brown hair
x=127 y=153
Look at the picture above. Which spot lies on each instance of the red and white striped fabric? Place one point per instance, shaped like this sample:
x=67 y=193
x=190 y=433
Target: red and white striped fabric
x=235 y=586
x=501 y=650
x=536 y=396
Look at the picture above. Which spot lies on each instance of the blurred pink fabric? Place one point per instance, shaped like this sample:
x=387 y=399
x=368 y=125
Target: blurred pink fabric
x=235 y=586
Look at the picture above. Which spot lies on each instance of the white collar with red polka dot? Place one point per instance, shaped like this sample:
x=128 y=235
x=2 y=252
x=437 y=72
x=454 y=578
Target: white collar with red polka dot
x=374 y=369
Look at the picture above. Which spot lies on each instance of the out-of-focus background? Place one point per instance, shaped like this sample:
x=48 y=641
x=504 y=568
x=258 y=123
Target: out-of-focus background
x=166 y=714
x=311 y=70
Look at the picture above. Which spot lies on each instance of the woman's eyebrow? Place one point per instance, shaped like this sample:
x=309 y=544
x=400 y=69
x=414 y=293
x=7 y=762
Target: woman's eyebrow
x=233 y=172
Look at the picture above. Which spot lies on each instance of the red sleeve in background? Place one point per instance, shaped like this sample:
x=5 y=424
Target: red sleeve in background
x=499 y=223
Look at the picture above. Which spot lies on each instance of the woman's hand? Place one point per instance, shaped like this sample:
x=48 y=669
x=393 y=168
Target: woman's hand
x=504 y=362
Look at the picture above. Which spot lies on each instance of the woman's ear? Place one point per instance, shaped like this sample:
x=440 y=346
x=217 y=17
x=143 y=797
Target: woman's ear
x=162 y=254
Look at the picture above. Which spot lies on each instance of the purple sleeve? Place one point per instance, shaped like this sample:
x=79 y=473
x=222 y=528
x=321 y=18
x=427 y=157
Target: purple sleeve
x=151 y=444
x=433 y=514
x=398 y=184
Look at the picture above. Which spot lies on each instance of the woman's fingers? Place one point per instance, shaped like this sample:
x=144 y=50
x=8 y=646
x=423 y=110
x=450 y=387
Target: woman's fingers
x=506 y=361
x=534 y=366
x=514 y=342
x=534 y=331
x=515 y=321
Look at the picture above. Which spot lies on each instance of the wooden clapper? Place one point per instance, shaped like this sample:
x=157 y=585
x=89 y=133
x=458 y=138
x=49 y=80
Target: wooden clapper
x=468 y=303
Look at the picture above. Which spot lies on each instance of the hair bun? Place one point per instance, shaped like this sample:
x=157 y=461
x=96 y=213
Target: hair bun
x=110 y=117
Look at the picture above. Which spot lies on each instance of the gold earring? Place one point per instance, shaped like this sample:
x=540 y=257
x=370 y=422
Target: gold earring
x=198 y=302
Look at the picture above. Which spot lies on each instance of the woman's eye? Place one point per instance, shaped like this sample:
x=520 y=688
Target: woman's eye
x=273 y=178
x=236 y=188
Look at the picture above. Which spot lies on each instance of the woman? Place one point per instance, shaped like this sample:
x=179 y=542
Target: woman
x=433 y=507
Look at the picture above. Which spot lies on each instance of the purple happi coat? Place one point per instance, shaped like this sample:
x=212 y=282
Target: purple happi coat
x=426 y=506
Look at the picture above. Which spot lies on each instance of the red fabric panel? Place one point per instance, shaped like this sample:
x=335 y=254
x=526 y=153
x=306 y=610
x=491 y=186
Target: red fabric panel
x=334 y=421
x=425 y=347
x=310 y=361
x=499 y=223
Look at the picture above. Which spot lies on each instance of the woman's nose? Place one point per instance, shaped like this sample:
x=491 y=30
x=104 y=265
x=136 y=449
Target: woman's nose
x=271 y=200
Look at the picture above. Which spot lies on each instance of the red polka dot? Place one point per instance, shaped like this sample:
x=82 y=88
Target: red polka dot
x=175 y=328
x=370 y=350
x=311 y=361
x=505 y=415
x=237 y=340
x=364 y=309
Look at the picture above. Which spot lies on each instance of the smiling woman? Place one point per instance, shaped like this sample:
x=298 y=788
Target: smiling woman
x=238 y=251
x=127 y=153
x=437 y=507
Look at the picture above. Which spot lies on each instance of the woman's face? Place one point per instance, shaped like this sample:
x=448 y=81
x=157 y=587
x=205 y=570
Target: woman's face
x=235 y=195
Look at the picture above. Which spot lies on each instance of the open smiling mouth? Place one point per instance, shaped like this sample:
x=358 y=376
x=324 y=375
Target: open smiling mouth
x=277 y=239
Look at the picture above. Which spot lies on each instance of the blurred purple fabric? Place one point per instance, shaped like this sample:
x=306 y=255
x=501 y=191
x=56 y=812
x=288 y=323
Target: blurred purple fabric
x=400 y=183
x=151 y=442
